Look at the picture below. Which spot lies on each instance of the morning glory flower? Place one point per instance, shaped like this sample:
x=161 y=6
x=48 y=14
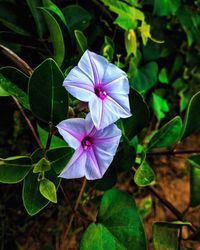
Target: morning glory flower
x=94 y=149
x=103 y=85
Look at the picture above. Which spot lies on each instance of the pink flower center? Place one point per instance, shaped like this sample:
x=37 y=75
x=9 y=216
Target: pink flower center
x=100 y=92
x=86 y=142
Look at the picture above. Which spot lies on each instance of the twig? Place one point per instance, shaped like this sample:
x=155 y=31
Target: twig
x=28 y=122
x=16 y=59
x=75 y=209
x=166 y=203
x=178 y=152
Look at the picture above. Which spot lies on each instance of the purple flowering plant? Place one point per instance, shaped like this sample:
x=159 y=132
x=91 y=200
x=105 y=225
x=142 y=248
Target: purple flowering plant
x=95 y=107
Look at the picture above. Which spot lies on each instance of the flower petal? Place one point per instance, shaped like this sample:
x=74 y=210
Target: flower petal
x=73 y=131
x=79 y=84
x=93 y=66
x=96 y=111
x=76 y=166
x=101 y=154
x=118 y=85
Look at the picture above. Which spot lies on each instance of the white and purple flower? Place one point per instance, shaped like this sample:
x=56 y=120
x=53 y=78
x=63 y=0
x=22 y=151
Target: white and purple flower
x=94 y=149
x=103 y=85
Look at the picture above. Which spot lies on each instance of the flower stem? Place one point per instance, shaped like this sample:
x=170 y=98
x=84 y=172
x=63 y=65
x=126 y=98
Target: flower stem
x=74 y=210
x=28 y=122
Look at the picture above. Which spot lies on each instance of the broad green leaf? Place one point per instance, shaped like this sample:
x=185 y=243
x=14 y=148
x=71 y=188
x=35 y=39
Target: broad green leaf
x=41 y=166
x=14 y=169
x=194 y=180
x=56 y=36
x=144 y=77
x=159 y=106
x=47 y=97
x=165 y=234
x=167 y=135
x=130 y=42
x=2 y=91
x=15 y=83
x=166 y=7
x=127 y=15
x=38 y=16
x=56 y=142
x=118 y=225
x=134 y=124
x=144 y=175
x=59 y=157
x=81 y=40
x=192 y=120
x=77 y=18
x=48 y=190
x=48 y=4
x=108 y=48
x=33 y=201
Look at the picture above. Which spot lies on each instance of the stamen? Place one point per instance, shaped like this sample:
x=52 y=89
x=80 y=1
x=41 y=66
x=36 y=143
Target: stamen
x=100 y=92
x=86 y=142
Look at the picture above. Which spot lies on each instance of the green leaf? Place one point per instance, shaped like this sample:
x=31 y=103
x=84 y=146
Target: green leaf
x=38 y=16
x=56 y=142
x=134 y=124
x=145 y=206
x=56 y=36
x=144 y=176
x=15 y=83
x=166 y=7
x=167 y=135
x=48 y=4
x=160 y=106
x=130 y=42
x=48 y=190
x=108 y=48
x=2 y=91
x=192 y=120
x=165 y=234
x=47 y=97
x=77 y=17
x=59 y=157
x=127 y=15
x=81 y=41
x=14 y=169
x=194 y=161
x=33 y=201
x=41 y=166
x=144 y=77
x=124 y=232
x=163 y=78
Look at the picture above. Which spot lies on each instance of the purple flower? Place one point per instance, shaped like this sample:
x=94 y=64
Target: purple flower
x=94 y=149
x=103 y=85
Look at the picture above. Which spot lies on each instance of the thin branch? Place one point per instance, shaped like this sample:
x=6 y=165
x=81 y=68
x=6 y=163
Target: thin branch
x=75 y=209
x=28 y=122
x=16 y=59
x=177 y=152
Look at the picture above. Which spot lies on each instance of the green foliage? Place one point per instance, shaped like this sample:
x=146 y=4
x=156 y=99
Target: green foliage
x=159 y=106
x=48 y=190
x=167 y=135
x=192 y=121
x=194 y=161
x=14 y=83
x=166 y=7
x=50 y=103
x=56 y=36
x=117 y=232
x=14 y=169
x=144 y=175
x=145 y=77
x=134 y=124
x=81 y=40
